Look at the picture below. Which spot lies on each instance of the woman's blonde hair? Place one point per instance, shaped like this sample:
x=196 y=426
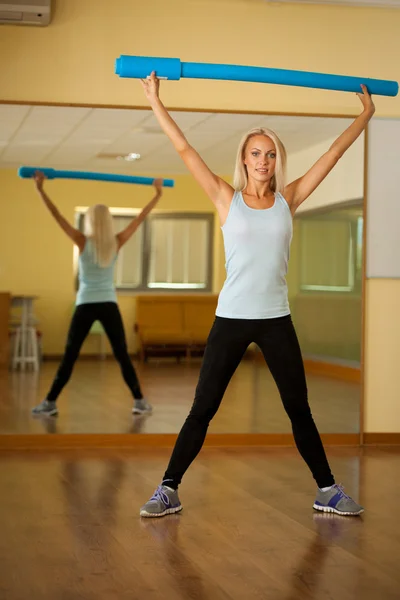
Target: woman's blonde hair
x=99 y=227
x=240 y=178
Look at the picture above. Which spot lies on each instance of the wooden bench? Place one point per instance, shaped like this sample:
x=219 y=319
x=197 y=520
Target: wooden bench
x=174 y=325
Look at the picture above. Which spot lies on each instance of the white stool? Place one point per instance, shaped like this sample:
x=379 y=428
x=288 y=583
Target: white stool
x=25 y=348
x=25 y=342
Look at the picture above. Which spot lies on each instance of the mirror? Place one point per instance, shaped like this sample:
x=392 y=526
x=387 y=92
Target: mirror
x=170 y=272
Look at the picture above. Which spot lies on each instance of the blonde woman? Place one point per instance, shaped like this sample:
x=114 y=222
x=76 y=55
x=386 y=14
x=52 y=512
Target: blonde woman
x=256 y=220
x=96 y=298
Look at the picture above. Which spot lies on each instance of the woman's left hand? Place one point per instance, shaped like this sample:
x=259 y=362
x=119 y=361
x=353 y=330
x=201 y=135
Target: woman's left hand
x=158 y=183
x=366 y=100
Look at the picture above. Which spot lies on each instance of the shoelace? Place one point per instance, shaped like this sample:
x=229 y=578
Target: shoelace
x=341 y=491
x=159 y=494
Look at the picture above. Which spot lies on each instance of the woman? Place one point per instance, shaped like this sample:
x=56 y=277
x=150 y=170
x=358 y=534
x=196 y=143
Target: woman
x=256 y=220
x=96 y=298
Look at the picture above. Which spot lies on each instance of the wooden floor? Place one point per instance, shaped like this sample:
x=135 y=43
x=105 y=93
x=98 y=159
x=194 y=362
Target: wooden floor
x=70 y=528
x=96 y=400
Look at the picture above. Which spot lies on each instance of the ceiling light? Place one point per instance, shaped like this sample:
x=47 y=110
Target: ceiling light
x=129 y=157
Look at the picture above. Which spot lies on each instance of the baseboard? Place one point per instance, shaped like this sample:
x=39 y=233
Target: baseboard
x=381 y=439
x=332 y=370
x=97 y=356
x=159 y=440
x=167 y=440
x=323 y=368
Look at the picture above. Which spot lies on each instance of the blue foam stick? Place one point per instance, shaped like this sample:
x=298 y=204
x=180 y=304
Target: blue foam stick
x=27 y=172
x=173 y=68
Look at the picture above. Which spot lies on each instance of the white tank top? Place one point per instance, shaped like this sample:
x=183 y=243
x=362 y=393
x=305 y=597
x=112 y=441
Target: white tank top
x=257 y=244
x=96 y=284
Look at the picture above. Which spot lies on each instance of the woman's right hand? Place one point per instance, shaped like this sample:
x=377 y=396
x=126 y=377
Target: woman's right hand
x=151 y=87
x=39 y=178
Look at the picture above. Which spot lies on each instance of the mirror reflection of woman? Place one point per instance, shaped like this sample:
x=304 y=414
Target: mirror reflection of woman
x=96 y=298
x=256 y=220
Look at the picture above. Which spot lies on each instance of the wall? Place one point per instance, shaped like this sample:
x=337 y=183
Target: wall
x=382 y=384
x=73 y=59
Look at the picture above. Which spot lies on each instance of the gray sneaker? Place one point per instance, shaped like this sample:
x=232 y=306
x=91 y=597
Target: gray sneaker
x=46 y=407
x=163 y=502
x=336 y=501
x=141 y=407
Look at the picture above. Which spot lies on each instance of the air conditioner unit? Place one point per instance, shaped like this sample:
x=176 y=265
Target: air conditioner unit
x=25 y=12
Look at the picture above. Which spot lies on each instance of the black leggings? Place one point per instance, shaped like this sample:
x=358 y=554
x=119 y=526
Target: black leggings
x=84 y=316
x=226 y=345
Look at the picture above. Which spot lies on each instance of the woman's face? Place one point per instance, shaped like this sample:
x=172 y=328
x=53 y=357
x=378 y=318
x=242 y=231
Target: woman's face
x=260 y=158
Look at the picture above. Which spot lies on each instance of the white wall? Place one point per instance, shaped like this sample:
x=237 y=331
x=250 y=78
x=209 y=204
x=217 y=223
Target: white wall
x=383 y=226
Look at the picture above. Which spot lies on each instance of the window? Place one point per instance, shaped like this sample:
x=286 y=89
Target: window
x=331 y=254
x=169 y=251
x=179 y=252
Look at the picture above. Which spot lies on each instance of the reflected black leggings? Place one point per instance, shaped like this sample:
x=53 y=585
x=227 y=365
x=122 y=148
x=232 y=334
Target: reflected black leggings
x=226 y=345
x=84 y=316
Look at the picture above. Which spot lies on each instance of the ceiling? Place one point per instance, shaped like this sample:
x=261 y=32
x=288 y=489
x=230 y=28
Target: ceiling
x=90 y=139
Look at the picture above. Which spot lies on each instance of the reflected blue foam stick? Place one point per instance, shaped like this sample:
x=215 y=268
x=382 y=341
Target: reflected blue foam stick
x=173 y=68
x=27 y=172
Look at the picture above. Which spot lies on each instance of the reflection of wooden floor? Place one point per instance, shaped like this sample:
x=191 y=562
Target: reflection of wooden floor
x=70 y=528
x=96 y=400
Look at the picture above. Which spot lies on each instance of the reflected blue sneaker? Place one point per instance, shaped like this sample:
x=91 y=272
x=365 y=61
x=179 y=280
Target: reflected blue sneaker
x=336 y=501
x=46 y=407
x=164 y=501
x=141 y=407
